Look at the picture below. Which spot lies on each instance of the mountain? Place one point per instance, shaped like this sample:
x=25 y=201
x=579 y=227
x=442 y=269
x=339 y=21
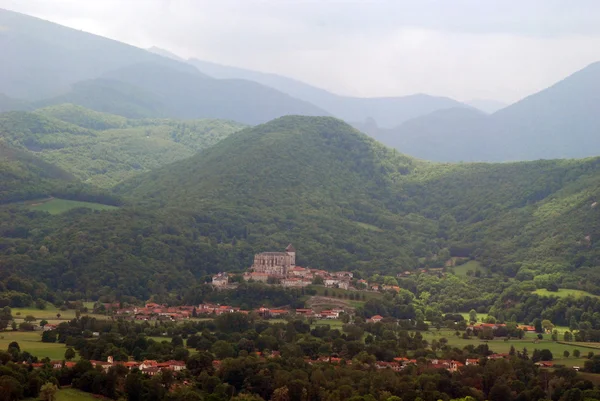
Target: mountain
x=347 y=200
x=443 y=136
x=103 y=149
x=187 y=95
x=165 y=53
x=561 y=121
x=42 y=59
x=387 y=111
x=8 y=104
x=487 y=105
x=300 y=178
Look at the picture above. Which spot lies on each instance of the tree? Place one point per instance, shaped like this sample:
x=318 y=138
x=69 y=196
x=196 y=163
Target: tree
x=568 y=336
x=10 y=389
x=566 y=354
x=48 y=392
x=281 y=394
x=318 y=280
x=472 y=315
x=69 y=354
x=58 y=315
x=30 y=318
x=222 y=349
x=43 y=322
x=547 y=325
x=537 y=323
x=576 y=353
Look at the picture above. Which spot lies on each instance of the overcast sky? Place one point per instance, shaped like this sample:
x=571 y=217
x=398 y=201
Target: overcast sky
x=503 y=50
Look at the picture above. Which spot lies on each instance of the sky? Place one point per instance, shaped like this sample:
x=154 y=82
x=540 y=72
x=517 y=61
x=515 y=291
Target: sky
x=464 y=49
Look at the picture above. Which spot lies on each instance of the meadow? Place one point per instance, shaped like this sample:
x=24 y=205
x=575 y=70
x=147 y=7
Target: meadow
x=501 y=346
x=71 y=394
x=31 y=341
x=471 y=265
x=57 y=206
x=50 y=313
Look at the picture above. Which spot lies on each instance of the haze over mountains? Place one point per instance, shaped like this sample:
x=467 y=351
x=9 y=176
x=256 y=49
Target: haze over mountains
x=46 y=64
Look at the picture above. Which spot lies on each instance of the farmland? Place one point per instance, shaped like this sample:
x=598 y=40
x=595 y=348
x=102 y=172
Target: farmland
x=31 y=342
x=57 y=206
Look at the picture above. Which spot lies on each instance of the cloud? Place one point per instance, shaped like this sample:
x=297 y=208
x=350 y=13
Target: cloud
x=465 y=49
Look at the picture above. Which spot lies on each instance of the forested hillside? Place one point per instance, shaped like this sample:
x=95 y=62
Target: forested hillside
x=104 y=149
x=344 y=200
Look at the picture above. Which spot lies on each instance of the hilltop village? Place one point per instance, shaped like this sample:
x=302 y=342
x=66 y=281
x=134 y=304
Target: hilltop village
x=280 y=268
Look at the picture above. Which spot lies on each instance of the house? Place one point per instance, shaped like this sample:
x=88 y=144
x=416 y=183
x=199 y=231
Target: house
x=330 y=314
x=305 y=312
x=472 y=362
x=49 y=327
x=375 y=319
x=331 y=282
x=220 y=280
x=277 y=312
x=343 y=274
x=344 y=284
x=294 y=282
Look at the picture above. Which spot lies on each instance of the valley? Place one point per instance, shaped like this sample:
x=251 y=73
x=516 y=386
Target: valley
x=149 y=203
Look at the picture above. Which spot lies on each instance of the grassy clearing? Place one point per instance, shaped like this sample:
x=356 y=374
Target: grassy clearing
x=501 y=346
x=563 y=293
x=472 y=265
x=57 y=206
x=480 y=316
x=50 y=313
x=31 y=341
x=70 y=394
x=336 y=292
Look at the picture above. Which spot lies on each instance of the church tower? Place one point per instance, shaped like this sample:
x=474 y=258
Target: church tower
x=291 y=251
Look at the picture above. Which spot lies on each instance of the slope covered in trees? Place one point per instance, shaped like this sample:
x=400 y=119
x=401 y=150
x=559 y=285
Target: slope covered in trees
x=344 y=200
x=103 y=149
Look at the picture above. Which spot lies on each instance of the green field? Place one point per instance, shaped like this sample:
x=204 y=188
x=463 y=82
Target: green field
x=472 y=265
x=31 y=341
x=501 y=346
x=70 y=394
x=480 y=316
x=49 y=314
x=563 y=293
x=57 y=206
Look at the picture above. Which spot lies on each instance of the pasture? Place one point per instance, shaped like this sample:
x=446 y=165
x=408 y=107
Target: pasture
x=70 y=394
x=500 y=346
x=471 y=265
x=57 y=206
x=31 y=341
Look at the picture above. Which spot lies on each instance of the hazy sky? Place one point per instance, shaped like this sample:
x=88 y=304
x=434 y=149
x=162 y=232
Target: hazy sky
x=465 y=49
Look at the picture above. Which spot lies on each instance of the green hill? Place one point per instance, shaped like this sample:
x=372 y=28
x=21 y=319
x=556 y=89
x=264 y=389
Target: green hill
x=344 y=200
x=118 y=149
x=312 y=181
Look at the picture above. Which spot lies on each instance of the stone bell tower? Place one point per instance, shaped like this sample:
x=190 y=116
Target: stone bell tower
x=291 y=251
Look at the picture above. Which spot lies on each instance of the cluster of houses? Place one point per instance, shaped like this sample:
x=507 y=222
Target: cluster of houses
x=153 y=312
x=149 y=367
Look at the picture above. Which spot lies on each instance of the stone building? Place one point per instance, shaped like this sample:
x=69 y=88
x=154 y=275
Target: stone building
x=275 y=263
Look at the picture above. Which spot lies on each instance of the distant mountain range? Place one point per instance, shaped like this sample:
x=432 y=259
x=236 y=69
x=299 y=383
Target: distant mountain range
x=387 y=111
x=562 y=121
x=46 y=64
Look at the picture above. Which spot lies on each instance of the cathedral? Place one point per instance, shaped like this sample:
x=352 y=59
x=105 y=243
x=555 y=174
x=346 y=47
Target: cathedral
x=275 y=263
